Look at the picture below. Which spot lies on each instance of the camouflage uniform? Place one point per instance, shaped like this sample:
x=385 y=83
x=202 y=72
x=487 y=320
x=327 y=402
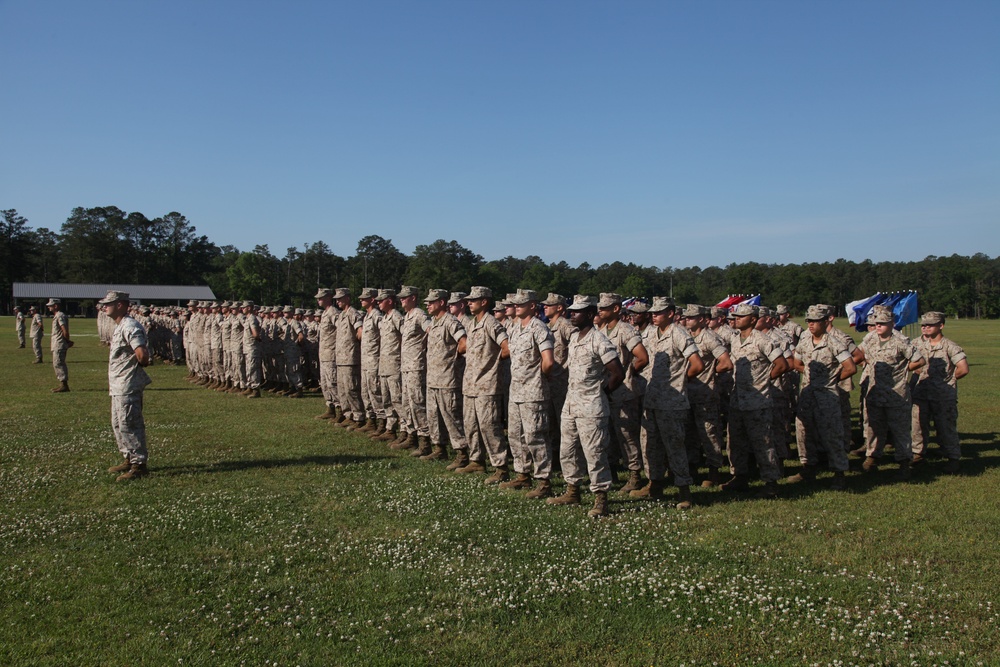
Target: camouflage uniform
x=19 y=327
x=35 y=333
x=481 y=385
x=251 y=350
x=328 y=355
x=371 y=392
x=390 y=329
x=625 y=417
x=561 y=330
x=750 y=406
x=349 y=363
x=585 y=437
x=293 y=350
x=703 y=395
x=413 y=362
x=935 y=397
x=528 y=426
x=444 y=333
x=126 y=382
x=819 y=420
x=58 y=346
x=888 y=405
x=666 y=405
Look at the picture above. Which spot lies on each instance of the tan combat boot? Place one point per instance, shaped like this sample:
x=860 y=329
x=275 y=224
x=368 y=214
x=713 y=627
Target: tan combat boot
x=255 y=393
x=499 y=476
x=461 y=460
x=295 y=394
x=806 y=474
x=542 y=490
x=712 y=479
x=62 y=388
x=571 y=496
x=522 y=481
x=423 y=447
x=634 y=482
x=600 y=505
x=387 y=435
x=652 y=491
x=404 y=441
x=472 y=466
x=120 y=468
x=135 y=471
x=379 y=429
x=437 y=454
x=684 y=501
x=368 y=426
x=870 y=464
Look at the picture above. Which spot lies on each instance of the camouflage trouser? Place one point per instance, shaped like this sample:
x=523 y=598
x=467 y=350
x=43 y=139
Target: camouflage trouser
x=391 y=390
x=415 y=402
x=625 y=424
x=443 y=408
x=845 y=420
x=819 y=424
x=328 y=382
x=781 y=414
x=748 y=431
x=20 y=336
x=59 y=365
x=944 y=414
x=255 y=377
x=583 y=451
x=884 y=420
x=36 y=346
x=529 y=424
x=239 y=361
x=557 y=399
x=129 y=427
x=176 y=347
x=349 y=389
x=293 y=366
x=704 y=432
x=371 y=394
x=663 y=445
x=218 y=371
x=483 y=430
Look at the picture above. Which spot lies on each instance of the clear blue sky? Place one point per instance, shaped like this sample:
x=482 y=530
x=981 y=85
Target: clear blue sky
x=665 y=133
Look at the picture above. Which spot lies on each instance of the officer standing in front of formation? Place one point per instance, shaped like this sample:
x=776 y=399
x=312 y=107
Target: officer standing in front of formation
x=594 y=371
x=36 y=332
x=126 y=382
x=445 y=342
x=935 y=394
x=486 y=346
x=59 y=343
x=888 y=404
x=824 y=362
x=531 y=361
x=755 y=362
x=674 y=358
x=19 y=327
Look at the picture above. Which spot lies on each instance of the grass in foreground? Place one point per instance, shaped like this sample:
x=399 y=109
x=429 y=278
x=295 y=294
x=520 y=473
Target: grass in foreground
x=266 y=537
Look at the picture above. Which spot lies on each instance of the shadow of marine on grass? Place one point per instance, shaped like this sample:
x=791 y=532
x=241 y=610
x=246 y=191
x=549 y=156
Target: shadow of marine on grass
x=255 y=464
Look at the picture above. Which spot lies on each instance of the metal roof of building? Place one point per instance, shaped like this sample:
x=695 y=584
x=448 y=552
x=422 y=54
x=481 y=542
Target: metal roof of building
x=98 y=290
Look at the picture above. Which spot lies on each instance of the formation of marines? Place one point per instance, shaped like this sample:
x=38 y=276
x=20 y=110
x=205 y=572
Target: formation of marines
x=664 y=395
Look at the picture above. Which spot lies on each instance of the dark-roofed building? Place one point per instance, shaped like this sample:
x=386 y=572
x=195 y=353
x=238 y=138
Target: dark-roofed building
x=75 y=293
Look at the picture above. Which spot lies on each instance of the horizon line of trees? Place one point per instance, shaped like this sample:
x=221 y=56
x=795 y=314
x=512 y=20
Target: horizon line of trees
x=106 y=244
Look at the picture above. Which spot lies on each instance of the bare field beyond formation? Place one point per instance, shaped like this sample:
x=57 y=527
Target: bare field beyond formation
x=265 y=537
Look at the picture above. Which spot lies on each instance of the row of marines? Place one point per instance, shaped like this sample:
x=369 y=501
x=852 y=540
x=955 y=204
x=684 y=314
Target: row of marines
x=459 y=373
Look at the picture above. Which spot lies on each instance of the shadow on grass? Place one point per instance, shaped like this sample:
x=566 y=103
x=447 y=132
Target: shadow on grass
x=256 y=464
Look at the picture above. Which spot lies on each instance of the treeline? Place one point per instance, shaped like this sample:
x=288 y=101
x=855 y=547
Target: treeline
x=106 y=244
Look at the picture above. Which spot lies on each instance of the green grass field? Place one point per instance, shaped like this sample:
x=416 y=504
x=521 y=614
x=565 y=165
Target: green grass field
x=265 y=537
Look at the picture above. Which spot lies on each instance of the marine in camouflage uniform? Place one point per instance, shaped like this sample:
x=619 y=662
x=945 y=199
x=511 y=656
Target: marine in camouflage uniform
x=625 y=418
x=390 y=374
x=413 y=364
x=704 y=428
x=19 y=327
x=531 y=360
x=328 y=354
x=755 y=361
x=293 y=339
x=58 y=344
x=555 y=310
x=593 y=371
x=486 y=346
x=845 y=386
x=445 y=342
x=349 y=324
x=935 y=394
x=824 y=361
x=888 y=404
x=371 y=392
x=252 y=351
x=674 y=357
x=36 y=333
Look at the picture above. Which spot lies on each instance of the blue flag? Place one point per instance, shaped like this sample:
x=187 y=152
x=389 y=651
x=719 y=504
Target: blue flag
x=864 y=307
x=906 y=310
